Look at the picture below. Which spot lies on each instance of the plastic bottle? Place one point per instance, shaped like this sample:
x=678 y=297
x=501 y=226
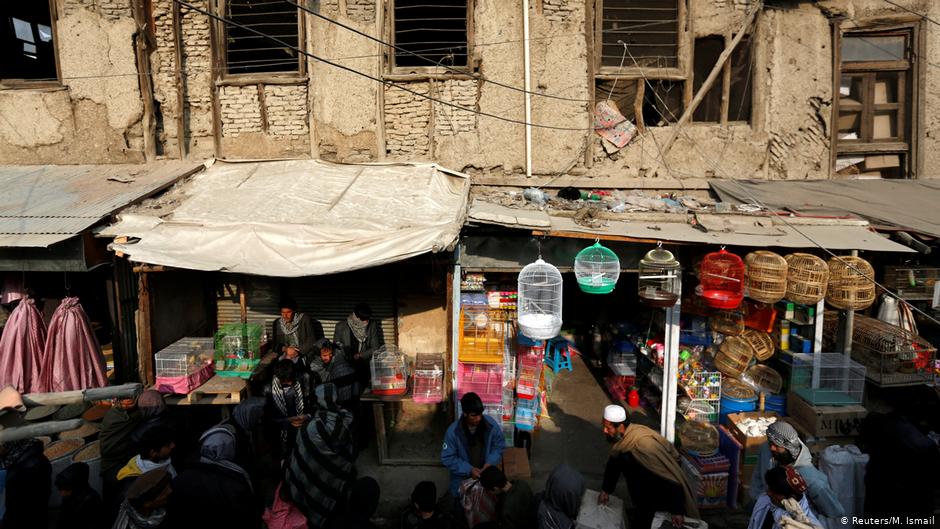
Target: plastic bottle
x=633 y=398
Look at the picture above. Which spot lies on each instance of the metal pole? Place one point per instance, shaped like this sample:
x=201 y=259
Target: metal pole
x=455 y=318
x=528 y=88
x=670 y=373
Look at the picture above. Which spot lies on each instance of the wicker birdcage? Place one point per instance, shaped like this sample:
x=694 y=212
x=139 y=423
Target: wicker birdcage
x=807 y=278
x=760 y=342
x=766 y=278
x=735 y=389
x=698 y=437
x=727 y=322
x=763 y=378
x=893 y=356
x=851 y=283
x=733 y=356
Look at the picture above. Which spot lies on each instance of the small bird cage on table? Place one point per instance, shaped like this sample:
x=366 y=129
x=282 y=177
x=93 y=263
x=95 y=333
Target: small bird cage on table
x=660 y=280
x=807 y=277
x=389 y=372
x=766 y=276
x=722 y=278
x=893 y=356
x=851 y=283
x=597 y=269
x=539 y=300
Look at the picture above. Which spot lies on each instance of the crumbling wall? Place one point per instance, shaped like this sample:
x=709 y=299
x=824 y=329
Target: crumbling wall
x=408 y=122
x=95 y=116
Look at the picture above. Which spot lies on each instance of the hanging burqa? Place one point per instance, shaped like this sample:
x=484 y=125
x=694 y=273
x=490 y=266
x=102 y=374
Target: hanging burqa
x=21 y=349
x=73 y=358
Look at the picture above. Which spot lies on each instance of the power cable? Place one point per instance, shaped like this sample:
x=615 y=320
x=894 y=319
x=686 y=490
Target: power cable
x=379 y=80
x=911 y=11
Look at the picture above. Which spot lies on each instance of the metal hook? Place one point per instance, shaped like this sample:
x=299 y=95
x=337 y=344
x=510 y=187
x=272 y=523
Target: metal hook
x=659 y=244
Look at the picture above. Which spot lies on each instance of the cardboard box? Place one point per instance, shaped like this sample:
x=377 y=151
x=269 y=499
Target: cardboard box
x=883 y=161
x=825 y=421
x=881 y=92
x=882 y=126
x=516 y=464
x=751 y=445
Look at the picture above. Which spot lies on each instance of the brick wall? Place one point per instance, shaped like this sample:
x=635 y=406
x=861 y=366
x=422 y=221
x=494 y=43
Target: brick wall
x=286 y=107
x=240 y=110
x=109 y=9
x=361 y=10
x=558 y=10
x=407 y=121
x=449 y=121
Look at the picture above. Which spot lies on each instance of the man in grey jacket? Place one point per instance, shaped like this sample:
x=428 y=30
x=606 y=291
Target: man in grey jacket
x=360 y=335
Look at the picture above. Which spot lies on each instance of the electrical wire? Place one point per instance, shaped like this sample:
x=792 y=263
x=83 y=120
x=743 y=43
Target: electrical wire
x=384 y=82
x=911 y=11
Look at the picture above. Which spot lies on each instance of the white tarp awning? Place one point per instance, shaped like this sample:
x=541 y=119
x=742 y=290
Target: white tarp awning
x=297 y=218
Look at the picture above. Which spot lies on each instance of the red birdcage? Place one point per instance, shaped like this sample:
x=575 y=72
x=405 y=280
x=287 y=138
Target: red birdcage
x=722 y=277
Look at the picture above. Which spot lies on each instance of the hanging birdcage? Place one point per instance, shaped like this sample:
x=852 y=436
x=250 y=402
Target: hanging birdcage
x=727 y=322
x=660 y=281
x=807 y=278
x=539 y=301
x=766 y=276
x=722 y=280
x=597 y=269
x=851 y=283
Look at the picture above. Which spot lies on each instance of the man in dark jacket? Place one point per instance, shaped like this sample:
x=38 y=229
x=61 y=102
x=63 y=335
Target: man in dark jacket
x=650 y=465
x=515 y=504
x=360 y=335
x=215 y=492
x=472 y=443
x=289 y=403
x=81 y=505
x=424 y=512
x=28 y=482
x=363 y=502
x=295 y=333
x=332 y=366
x=117 y=447
x=245 y=424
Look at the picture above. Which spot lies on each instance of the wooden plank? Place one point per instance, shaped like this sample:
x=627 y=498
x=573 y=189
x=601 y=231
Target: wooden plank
x=34 y=430
x=217 y=391
x=144 y=336
x=61 y=398
x=597 y=182
x=638 y=105
x=592 y=236
x=142 y=51
x=180 y=104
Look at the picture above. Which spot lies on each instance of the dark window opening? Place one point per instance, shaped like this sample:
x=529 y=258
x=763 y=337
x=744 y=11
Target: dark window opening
x=27 y=41
x=623 y=96
x=662 y=103
x=249 y=52
x=649 y=28
x=707 y=51
x=432 y=35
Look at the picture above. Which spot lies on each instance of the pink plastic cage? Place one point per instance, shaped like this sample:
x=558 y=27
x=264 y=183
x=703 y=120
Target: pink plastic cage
x=486 y=380
x=530 y=371
x=428 y=378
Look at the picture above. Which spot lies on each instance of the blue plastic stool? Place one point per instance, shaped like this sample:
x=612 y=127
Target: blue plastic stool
x=557 y=355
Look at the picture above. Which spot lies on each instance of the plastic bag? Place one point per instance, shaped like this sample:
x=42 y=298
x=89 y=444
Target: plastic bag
x=283 y=514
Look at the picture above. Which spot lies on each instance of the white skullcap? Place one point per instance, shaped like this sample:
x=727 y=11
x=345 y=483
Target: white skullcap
x=614 y=413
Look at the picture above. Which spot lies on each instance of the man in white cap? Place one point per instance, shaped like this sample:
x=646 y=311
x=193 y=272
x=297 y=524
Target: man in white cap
x=650 y=465
x=784 y=447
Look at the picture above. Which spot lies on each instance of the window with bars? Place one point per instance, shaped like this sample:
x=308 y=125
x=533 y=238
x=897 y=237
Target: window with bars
x=873 y=104
x=636 y=34
x=27 y=43
x=432 y=33
x=248 y=52
x=729 y=99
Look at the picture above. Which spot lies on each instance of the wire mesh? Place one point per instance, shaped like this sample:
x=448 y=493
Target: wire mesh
x=539 y=301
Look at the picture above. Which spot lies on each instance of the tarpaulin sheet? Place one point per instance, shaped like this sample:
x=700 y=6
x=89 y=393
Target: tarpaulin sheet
x=906 y=204
x=299 y=218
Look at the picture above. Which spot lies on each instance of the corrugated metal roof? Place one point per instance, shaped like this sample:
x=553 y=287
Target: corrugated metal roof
x=43 y=204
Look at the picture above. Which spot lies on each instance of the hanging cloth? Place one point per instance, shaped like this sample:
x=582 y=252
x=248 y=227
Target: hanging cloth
x=73 y=358
x=21 y=348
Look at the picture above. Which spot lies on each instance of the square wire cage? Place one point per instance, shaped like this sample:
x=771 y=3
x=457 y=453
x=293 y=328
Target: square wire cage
x=184 y=357
x=827 y=379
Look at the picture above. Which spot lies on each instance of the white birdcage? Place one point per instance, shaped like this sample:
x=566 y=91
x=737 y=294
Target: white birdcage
x=539 y=300
x=597 y=269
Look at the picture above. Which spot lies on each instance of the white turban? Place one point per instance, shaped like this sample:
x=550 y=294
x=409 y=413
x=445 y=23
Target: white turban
x=615 y=414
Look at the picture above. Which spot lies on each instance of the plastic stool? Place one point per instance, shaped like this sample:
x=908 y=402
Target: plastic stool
x=557 y=355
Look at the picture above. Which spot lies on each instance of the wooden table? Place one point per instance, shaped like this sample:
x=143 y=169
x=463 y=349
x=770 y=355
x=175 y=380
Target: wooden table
x=217 y=391
x=381 y=437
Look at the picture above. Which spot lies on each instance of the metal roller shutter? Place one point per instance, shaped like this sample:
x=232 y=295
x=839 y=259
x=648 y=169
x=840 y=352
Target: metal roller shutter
x=329 y=299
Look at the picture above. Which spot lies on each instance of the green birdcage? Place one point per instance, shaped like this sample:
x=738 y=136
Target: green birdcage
x=597 y=269
x=237 y=349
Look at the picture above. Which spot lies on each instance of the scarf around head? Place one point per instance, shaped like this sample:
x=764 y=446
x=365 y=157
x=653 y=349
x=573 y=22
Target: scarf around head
x=658 y=456
x=218 y=447
x=785 y=435
x=278 y=391
x=358 y=328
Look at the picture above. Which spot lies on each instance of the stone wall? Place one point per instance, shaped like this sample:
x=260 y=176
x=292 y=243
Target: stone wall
x=407 y=122
x=559 y=10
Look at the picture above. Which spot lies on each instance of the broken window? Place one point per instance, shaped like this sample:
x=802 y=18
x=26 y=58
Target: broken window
x=637 y=33
x=433 y=34
x=251 y=51
x=26 y=37
x=873 y=104
x=735 y=81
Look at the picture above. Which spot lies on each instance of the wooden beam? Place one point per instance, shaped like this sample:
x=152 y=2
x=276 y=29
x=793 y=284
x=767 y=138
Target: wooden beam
x=144 y=331
x=710 y=80
x=61 y=398
x=595 y=182
x=35 y=430
x=148 y=268
x=242 y=299
x=178 y=49
x=601 y=236
x=638 y=105
x=141 y=50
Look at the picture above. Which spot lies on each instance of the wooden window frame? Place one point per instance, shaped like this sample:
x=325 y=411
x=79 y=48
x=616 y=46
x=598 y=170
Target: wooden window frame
x=404 y=73
x=726 y=80
x=909 y=112
x=220 y=53
x=680 y=72
x=27 y=84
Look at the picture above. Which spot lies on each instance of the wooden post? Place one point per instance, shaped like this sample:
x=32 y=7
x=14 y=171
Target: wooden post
x=144 y=332
x=709 y=81
x=242 y=299
x=638 y=105
x=141 y=49
x=180 y=86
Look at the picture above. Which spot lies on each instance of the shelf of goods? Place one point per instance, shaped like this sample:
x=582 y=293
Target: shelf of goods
x=485 y=334
x=891 y=355
x=704 y=391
